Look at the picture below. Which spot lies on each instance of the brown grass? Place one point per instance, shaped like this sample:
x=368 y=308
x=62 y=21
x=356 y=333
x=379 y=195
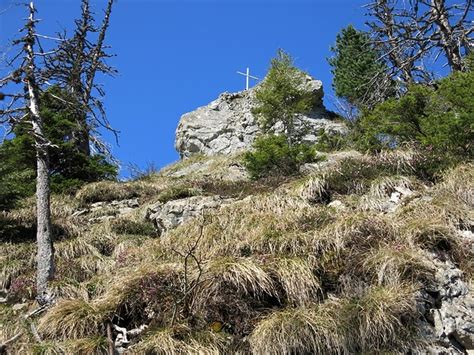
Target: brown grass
x=314 y=330
x=180 y=340
x=372 y=322
x=245 y=275
x=73 y=319
x=297 y=278
x=282 y=272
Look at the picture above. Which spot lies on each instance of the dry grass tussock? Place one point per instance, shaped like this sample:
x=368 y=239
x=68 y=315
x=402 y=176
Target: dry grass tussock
x=281 y=272
x=360 y=230
x=244 y=275
x=73 y=319
x=371 y=322
x=16 y=259
x=19 y=225
x=85 y=346
x=256 y=225
x=126 y=281
x=393 y=262
x=358 y=175
x=116 y=191
x=459 y=182
x=80 y=318
x=320 y=329
x=297 y=278
x=434 y=226
x=381 y=190
x=180 y=340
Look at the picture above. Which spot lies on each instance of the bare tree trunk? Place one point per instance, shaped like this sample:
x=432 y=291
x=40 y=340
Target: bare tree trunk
x=75 y=66
x=97 y=53
x=45 y=256
x=451 y=49
x=81 y=133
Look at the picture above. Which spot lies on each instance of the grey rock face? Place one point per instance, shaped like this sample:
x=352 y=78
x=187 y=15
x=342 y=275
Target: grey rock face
x=171 y=214
x=454 y=319
x=103 y=210
x=449 y=312
x=227 y=124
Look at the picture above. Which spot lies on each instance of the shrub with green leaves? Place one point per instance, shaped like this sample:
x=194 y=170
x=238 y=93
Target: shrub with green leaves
x=274 y=156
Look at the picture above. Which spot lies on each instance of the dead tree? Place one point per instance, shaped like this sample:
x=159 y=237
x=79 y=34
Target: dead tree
x=32 y=70
x=413 y=34
x=75 y=66
x=24 y=107
x=451 y=29
x=395 y=35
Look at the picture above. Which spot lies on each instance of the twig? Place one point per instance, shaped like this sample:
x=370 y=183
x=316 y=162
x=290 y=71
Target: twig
x=3 y=347
x=110 y=339
x=35 y=333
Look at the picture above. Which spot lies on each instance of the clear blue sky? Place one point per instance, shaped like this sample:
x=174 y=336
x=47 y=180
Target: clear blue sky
x=176 y=55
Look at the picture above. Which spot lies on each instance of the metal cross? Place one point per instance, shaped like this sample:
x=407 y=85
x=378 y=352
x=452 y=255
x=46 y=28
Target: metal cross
x=248 y=77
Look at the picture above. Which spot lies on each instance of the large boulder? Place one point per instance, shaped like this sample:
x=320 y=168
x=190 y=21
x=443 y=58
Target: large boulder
x=227 y=125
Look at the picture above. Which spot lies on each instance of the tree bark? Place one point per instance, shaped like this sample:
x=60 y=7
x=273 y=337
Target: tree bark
x=81 y=133
x=45 y=254
x=448 y=42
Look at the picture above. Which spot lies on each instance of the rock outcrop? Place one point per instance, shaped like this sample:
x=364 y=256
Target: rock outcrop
x=449 y=307
x=173 y=213
x=227 y=124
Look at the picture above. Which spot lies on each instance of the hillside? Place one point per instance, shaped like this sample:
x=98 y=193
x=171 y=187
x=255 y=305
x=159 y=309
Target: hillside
x=286 y=227
x=352 y=254
x=357 y=255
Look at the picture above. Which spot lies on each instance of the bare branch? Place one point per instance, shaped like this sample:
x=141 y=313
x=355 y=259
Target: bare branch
x=4 y=345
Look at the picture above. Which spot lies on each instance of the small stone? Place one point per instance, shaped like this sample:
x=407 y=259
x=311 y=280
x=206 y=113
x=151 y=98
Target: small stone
x=20 y=306
x=338 y=205
x=133 y=203
x=97 y=205
x=395 y=197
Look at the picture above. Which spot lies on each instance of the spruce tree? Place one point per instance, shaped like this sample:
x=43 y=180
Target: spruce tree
x=358 y=74
x=69 y=166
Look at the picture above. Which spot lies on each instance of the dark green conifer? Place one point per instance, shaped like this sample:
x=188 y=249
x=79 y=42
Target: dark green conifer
x=359 y=75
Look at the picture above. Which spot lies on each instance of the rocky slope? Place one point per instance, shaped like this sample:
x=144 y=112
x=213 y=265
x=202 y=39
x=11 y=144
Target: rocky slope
x=227 y=125
x=357 y=254
x=280 y=266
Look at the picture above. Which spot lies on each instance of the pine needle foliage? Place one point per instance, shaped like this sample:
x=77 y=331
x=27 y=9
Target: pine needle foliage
x=357 y=69
x=283 y=95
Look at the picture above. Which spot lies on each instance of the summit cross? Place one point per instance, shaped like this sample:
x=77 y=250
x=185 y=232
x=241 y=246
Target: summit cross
x=247 y=77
